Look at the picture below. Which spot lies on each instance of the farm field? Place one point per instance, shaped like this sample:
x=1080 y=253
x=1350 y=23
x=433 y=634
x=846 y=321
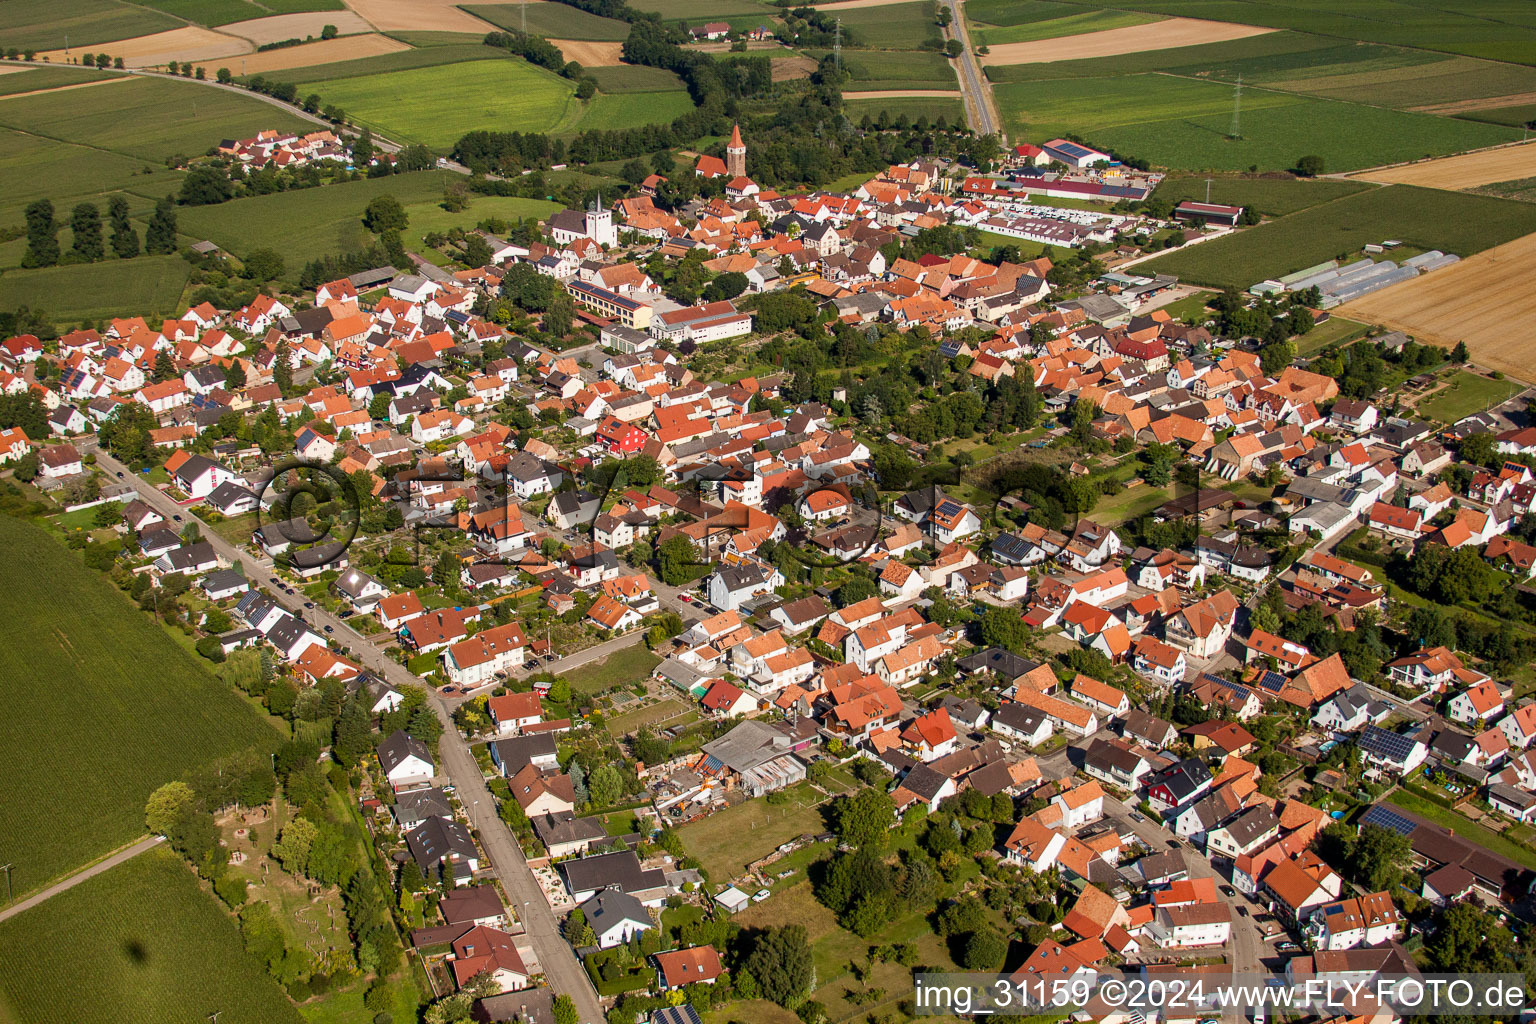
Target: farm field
x=1485 y=301
x=897 y=26
x=437 y=105
x=298 y=25
x=428 y=214
x=124 y=732
x=1184 y=124
x=727 y=841
x=36 y=168
x=622 y=110
x=1051 y=28
x=634 y=78
x=322 y=51
x=1017 y=12
x=1134 y=38
x=190 y=42
x=590 y=53
x=91 y=291
x=147 y=118
x=1470 y=170
x=1476 y=28
x=1426 y=218
x=559 y=21
x=1465 y=394
x=146 y=944
x=20 y=80
x=401 y=60
x=705 y=10
x=308 y=223
x=914 y=107
x=1273 y=197
x=1520 y=188
x=1517 y=116
x=625 y=666
x=427 y=15
x=884 y=69
x=42 y=24
x=1402 y=79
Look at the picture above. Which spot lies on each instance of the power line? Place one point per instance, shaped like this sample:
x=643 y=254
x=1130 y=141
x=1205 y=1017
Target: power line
x=1237 y=109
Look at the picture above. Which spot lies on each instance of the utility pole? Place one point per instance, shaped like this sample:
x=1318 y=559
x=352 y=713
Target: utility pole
x=837 y=46
x=1207 y=190
x=7 y=869
x=1237 y=108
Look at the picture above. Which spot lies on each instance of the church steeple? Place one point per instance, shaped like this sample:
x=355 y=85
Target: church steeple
x=736 y=154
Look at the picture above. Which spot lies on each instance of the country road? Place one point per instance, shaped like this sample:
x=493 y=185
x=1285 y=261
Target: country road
x=107 y=863
x=561 y=969
x=978 y=94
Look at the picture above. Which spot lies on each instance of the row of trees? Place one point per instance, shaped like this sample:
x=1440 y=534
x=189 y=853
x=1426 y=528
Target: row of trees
x=88 y=244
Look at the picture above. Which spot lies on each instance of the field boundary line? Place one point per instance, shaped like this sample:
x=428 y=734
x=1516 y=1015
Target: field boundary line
x=106 y=863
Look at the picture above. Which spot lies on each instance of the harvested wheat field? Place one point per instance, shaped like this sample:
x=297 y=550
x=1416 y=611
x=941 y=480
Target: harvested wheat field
x=420 y=15
x=1518 y=99
x=591 y=54
x=1485 y=300
x=789 y=69
x=62 y=88
x=325 y=51
x=1160 y=35
x=1469 y=170
x=189 y=43
x=855 y=5
x=295 y=26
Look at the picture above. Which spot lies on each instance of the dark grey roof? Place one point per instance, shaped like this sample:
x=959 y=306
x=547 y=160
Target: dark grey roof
x=924 y=781
x=620 y=871
x=223 y=579
x=1251 y=825
x=518 y=752
x=553 y=829
x=189 y=555
x=437 y=839
x=398 y=746
x=1002 y=663
x=1390 y=746
x=611 y=906
x=1019 y=717
x=419 y=805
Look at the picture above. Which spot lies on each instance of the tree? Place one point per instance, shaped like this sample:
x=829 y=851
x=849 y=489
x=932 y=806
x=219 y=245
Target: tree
x=1459 y=354
x=362 y=149
x=477 y=251
x=565 y=1010
x=165 y=367
x=85 y=225
x=353 y=737
x=1277 y=355
x=605 y=786
x=160 y=236
x=954 y=47
x=557 y=318
x=125 y=240
x=676 y=560
x=42 y=235
x=781 y=962
x=165 y=804
x=865 y=818
x=294 y=845
x=385 y=213
x=234 y=375
x=662 y=162
x=634 y=172
x=1477 y=449
x=263 y=264
x=586 y=88
x=984 y=950
x=206 y=185
x=1380 y=858
x=1309 y=166
x=328 y=32
x=1004 y=627
x=27 y=467
x=223 y=76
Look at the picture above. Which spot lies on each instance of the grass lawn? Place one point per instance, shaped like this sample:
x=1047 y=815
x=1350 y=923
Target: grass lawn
x=726 y=842
x=895 y=69
x=1427 y=218
x=42 y=24
x=140 y=711
x=621 y=668
x=1465 y=394
x=1336 y=330
x=1464 y=826
x=623 y=725
x=428 y=215
x=1132 y=503
x=308 y=223
x=633 y=78
x=437 y=105
x=146 y=118
x=1190 y=306
x=147 y=944
x=150 y=285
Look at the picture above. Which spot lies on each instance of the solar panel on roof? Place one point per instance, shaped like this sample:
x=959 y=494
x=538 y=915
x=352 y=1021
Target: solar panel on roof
x=949 y=508
x=1272 y=681
x=1386 y=817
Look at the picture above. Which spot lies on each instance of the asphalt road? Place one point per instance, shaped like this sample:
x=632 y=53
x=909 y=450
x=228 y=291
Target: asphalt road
x=978 y=94
x=562 y=971
x=126 y=853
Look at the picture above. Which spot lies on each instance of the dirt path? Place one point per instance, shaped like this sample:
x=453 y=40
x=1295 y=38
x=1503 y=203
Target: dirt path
x=1486 y=103
x=125 y=854
x=62 y=88
x=1469 y=170
x=1160 y=35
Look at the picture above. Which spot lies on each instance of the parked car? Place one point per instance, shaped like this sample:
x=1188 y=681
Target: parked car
x=309 y=604
x=330 y=629
x=1136 y=816
x=119 y=474
x=761 y=895
x=1229 y=890
x=176 y=518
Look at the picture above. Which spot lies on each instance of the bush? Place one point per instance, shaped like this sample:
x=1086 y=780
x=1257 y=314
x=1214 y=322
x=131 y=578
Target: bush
x=210 y=648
